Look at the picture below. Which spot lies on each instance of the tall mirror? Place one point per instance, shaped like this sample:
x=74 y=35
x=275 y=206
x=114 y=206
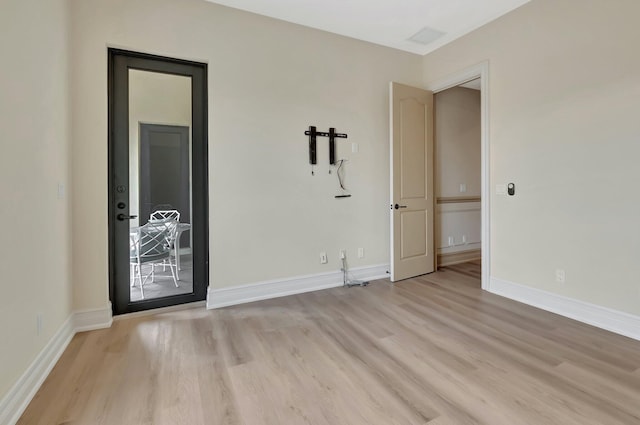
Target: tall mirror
x=160 y=186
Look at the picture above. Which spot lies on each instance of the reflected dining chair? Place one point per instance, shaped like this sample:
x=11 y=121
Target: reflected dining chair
x=163 y=214
x=151 y=244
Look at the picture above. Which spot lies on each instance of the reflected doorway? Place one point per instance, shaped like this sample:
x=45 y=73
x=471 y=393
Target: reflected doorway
x=165 y=165
x=158 y=228
x=164 y=191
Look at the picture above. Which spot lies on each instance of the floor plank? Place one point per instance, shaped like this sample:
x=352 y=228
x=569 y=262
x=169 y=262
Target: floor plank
x=433 y=350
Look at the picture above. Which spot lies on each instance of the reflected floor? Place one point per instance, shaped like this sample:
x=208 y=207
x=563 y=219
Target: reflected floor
x=162 y=285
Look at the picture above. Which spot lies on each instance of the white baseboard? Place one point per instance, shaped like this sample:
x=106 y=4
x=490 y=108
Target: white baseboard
x=451 y=258
x=223 y=297
x=20 y=395
x=612 y=320
x=89 y=320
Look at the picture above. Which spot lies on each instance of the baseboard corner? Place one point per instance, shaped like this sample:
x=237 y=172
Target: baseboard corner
x=89 y=320
x=209 y=302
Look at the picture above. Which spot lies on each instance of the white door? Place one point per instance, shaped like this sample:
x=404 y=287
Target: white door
x=412 y=200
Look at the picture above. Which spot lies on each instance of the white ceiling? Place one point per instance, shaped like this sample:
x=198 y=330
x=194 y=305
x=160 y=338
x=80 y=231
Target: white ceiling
x=386 y=22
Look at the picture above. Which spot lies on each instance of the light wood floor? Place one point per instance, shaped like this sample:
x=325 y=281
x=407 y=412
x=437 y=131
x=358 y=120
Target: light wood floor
x=431 y=350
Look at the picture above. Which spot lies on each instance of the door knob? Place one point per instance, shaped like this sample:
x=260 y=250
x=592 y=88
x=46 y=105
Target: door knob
x=123 y=217
x=400 y=206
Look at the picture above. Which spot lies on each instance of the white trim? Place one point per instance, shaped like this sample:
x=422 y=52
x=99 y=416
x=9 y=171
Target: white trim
x=17 y=399
x=223 y=297
x=392 y=234
x=481 y=71
x=20 y=395
x=89 y=320
x=457 y=248
x=612 y=320
x=459 y=207
x=458 y=257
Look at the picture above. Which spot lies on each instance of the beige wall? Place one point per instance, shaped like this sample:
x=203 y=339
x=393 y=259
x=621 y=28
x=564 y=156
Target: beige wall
x=563 y=99
x=268 y=81
x=34 y=118
x=457 y=157
x=457 y=142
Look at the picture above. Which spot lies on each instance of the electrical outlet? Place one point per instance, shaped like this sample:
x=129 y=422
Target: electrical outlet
x=450 y=240
x=560 y=276
x=323 y=258
x=464 y=239
x=463 y=187
x=360 y=252
x=343 y=254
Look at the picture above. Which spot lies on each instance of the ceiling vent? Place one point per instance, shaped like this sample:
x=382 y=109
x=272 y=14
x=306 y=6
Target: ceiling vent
x=426 y=36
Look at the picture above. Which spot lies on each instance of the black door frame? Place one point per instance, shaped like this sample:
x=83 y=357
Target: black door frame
x=119 y=63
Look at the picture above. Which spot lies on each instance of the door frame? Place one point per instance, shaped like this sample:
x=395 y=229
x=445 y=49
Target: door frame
x=481 y=71
x=120 y=61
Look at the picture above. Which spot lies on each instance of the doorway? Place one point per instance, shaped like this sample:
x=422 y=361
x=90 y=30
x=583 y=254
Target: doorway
x=158 y=192
x=478 y=72
x=166 y=165
x=457 y=174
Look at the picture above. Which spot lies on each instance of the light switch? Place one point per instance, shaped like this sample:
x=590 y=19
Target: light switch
x=354 y=148
x=463 y=187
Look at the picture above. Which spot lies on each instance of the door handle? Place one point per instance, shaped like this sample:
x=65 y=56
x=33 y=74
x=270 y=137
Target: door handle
x=400 y=206
x=123 y=217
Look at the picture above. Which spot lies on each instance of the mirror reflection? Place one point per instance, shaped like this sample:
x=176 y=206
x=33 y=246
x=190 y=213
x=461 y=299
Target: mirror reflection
x=160 y=185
